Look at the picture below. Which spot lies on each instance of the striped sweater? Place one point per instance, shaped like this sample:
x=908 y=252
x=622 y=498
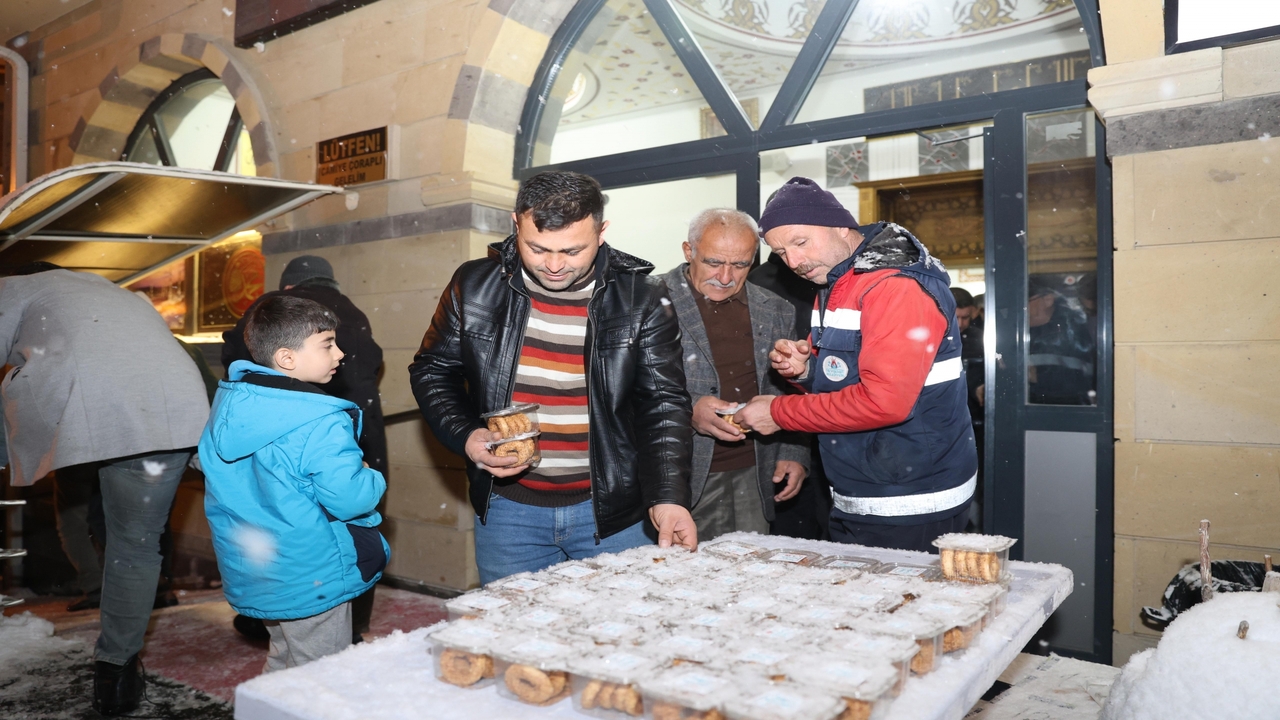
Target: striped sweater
x=551 y=373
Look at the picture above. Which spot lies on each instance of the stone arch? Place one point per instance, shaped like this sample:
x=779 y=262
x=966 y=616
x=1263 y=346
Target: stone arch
x=489 y=97
x=131 y=85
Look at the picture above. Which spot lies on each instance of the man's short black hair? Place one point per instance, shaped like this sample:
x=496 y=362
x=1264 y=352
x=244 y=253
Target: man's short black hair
x=963 y=298
x=284 y=321
x=557 y=199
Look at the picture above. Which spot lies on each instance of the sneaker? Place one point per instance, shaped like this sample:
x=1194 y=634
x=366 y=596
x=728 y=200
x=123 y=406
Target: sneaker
x=252 y=628
x=117 y=689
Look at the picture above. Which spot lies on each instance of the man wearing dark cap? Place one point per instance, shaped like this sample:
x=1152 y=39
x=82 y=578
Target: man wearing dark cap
x=311 y=277
x=881 y=371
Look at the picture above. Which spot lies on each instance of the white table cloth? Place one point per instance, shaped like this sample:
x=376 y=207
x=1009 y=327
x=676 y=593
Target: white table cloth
x=392 y=679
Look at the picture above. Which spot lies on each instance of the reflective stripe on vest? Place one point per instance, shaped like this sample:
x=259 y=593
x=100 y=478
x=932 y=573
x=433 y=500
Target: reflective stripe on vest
x=846 y=319
x=906 y=504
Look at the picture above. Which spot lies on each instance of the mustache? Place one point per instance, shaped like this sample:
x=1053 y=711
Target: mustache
x=805 y=269
x=717 y=284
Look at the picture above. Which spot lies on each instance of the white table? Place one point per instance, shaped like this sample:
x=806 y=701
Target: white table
x=392 y=678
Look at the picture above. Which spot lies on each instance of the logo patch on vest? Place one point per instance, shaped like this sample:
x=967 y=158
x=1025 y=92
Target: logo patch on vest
x=835 y=369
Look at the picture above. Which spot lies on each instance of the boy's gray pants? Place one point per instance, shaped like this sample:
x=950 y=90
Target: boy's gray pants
x=298 y=642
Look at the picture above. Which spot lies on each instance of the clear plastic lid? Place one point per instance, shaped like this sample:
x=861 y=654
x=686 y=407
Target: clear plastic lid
x=974 y=542
x=727 y=582
x=567 y=597
x=640 y=609
x=612 y=630
x=616 y=666
x=763 y=655
x=654 y=555
x=757 y=602
x=914 y=626
x=706 y=564
x=537 y=618
x=819 y=616
x=573 y=571
x=780 y=632
x=987 y=595
x=706 y=619
x=688 y=687
x=731 y=410
x=477 y=602
x=473 y=636
x=525 y=408
x=683 y=596
x=612 y=561
x=784 y=701
x=869 y=601
x=732 y=549
x=792 y=590
x=861 y=681
x=667 y=574
x=954 y=614
x=519 y=584
x=869 y=647
x=633 y=584
x=762 y=569
x=923 y=572
x=540 y=651
x=815 y=575
x=686 y=644
x=851 y=562
x=792 y=557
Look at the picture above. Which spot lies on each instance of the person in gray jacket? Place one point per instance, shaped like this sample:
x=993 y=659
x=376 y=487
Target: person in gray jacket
x=727 y=328
x=97 y=377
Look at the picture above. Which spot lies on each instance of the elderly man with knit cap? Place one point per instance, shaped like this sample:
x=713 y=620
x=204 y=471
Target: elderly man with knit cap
x=881 y=373
x=311 y=277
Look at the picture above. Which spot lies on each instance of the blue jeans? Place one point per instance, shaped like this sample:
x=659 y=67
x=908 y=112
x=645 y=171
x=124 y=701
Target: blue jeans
x=137 y=493
x=526 y=538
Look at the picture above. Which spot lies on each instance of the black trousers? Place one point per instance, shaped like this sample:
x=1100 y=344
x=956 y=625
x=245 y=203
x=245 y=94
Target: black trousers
x=900 y=537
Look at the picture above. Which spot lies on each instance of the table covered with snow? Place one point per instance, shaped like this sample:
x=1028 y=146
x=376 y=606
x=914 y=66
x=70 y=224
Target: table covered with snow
x=392 y=678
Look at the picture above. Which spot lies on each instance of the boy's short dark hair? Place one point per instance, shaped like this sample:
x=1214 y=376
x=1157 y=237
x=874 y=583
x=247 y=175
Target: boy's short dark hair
x=963 y=298
x=284 y=321
x=558 y=198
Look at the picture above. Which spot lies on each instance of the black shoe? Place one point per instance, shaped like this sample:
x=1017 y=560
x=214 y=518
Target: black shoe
x=89 y=601
x=117 y=689
x=252 y=628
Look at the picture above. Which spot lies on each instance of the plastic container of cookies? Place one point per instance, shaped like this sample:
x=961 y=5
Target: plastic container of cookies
x=814 y=575
x=633 y=584
x=759 y=603
x=801 y=558
x=970 y=557
x=613 y=631
x=763 y=657
x=925 y=631
x=906 y=588
x=963 y=622
x=865 y=688
x=681 y=595
x=533 y=670
x=476 y=604
x=870 y=648
x=818 y=616
x=685 y=693
x=605 y=685
x=909 y=570
x=567 y=598
x=705 y=563
x=538 y=618
x=514 y=420
x=849 y=562
x=727 y=414
x=524 y=447
x=706 y=619
x=783 y=701
x=994 y=596
x=762 y=569
x=462 y=653
x=866 y=600
x=775 y=631
x=732 y=549
x=573 y=571
x=686 y=645
x=519 y=586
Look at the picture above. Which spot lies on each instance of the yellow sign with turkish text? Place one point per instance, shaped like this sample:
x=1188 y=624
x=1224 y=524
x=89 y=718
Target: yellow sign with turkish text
x=352 y=159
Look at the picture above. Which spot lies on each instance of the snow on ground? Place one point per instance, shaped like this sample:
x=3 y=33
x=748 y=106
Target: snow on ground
x=1201 y=669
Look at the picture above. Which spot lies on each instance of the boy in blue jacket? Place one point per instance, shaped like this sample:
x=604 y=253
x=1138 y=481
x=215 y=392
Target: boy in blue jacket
x=289 y=499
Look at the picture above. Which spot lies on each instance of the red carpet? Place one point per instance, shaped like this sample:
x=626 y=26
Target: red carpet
x=194 y=643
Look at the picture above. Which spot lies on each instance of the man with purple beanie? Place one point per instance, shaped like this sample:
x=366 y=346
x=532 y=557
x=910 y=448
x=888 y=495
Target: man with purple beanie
x=881 y=373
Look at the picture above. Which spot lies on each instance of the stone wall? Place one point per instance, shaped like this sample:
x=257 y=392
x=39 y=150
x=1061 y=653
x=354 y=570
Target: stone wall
x=449 y=77
x=1197 y=314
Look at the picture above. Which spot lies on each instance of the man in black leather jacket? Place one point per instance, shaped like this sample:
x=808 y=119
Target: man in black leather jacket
x=556 y=316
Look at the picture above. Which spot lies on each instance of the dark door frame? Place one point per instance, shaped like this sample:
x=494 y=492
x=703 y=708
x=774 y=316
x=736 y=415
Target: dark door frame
x=738 y=152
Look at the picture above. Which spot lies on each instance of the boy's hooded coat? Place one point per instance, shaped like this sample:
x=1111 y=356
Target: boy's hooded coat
x=289 y=501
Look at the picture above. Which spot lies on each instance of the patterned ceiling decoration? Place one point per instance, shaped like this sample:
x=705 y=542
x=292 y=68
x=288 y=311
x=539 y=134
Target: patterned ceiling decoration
x=753 y=43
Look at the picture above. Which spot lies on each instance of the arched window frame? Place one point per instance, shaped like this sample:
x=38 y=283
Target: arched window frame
x=738 y=150
x=149 y=124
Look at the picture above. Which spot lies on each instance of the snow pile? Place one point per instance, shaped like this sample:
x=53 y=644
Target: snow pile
x=1201 y=669
x=24 y=636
